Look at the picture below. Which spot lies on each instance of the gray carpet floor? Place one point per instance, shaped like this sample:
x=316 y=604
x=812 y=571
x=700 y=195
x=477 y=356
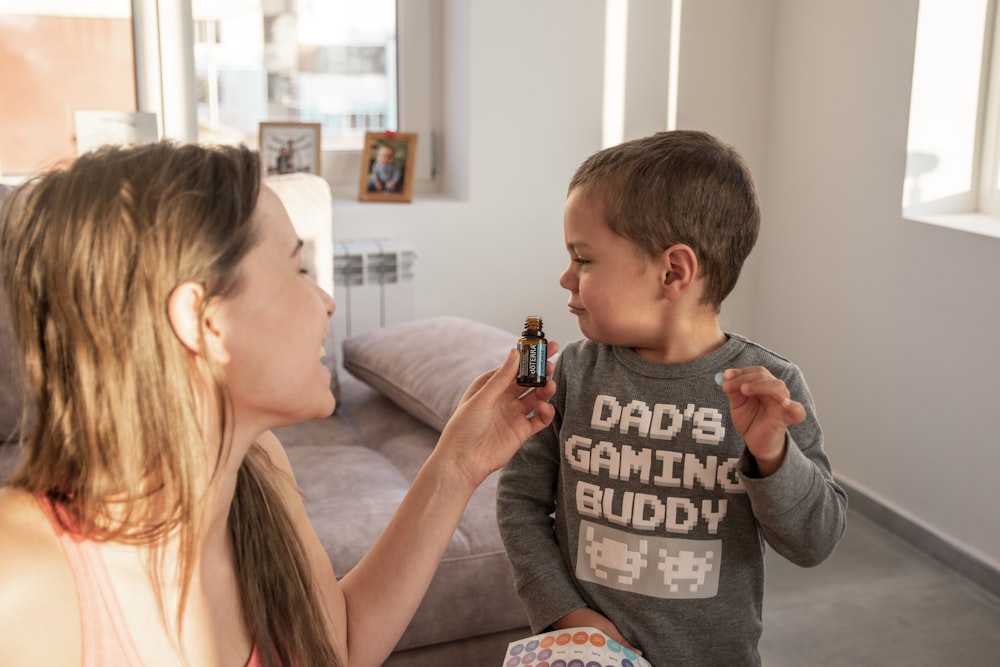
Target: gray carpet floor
x=876 y=601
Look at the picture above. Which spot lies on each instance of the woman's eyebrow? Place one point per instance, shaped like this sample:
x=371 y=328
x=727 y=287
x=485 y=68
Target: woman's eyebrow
x=298 y=247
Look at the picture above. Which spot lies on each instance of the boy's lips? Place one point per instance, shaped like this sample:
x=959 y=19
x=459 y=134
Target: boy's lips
x=575 y=310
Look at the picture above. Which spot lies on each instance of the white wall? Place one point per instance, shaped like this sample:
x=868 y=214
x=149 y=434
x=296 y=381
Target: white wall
x=524 y=99
x=725 y=60
x=893 y=322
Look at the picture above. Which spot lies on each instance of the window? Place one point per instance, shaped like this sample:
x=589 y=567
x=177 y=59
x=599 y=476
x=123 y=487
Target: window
x=211 y=70
x=59 y=57
x=325 y=61
x=952 y=143
x=335 y=62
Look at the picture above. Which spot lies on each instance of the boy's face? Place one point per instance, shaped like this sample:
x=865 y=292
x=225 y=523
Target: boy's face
x=386 y=155
x=615 y=290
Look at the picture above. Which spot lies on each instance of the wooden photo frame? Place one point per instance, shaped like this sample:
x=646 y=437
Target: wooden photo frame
x=289 y=148
x=380 y=182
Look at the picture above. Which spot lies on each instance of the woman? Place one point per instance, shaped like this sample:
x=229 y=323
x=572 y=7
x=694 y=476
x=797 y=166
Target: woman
x=166 y=325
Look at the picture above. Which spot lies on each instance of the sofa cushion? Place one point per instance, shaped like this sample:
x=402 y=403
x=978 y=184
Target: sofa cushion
x=11 y=396
x=12 y=389
x=426 y=365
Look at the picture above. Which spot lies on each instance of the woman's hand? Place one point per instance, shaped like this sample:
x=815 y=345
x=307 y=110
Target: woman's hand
x=494 y=418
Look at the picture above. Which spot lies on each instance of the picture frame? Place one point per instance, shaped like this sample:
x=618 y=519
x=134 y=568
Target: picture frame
x=289 y=147
x=401 y=148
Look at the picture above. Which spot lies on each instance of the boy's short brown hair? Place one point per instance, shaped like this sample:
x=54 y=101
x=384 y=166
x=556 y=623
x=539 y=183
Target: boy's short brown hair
x=675 y=187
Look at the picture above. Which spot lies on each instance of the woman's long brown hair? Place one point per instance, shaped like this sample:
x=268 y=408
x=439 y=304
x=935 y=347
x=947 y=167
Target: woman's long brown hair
x=90 y=255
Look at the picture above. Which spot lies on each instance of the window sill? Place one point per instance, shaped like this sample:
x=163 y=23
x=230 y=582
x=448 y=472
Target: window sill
x=983 y=224
x=419 y=200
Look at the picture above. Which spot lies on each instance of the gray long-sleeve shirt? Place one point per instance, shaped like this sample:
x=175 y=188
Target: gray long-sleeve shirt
x=641 y=502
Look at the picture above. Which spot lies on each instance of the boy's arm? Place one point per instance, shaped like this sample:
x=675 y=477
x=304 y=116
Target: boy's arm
x=788 y=477
x=526 y=498
x=801 y=509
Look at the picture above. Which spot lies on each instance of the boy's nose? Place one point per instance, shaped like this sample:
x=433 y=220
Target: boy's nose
x=567 y=280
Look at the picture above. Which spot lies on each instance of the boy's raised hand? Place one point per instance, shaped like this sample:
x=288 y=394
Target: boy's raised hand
x=761 y=409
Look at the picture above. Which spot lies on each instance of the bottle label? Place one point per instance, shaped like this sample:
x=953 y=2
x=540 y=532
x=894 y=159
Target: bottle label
x=533 y=356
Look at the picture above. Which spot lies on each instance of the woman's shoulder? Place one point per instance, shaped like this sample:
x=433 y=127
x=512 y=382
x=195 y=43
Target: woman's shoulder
x=38 y=603
x=30 y=552
x=27 y=531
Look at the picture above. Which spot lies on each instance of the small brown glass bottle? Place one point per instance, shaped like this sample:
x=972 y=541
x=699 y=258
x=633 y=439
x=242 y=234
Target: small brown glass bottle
x=533 y=348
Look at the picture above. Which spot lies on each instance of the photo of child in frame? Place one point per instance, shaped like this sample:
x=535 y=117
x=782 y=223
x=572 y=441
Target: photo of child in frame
x=387 y=167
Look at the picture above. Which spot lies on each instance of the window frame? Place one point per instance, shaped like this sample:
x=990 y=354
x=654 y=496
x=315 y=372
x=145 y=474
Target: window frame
x=989 y=146
x=977 y=209
x=165 y=84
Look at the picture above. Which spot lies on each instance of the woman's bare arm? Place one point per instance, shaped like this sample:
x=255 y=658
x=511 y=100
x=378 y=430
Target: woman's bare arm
x=373 y=603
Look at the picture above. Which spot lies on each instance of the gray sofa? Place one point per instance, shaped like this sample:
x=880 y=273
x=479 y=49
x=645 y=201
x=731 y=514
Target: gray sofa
x=396 y=389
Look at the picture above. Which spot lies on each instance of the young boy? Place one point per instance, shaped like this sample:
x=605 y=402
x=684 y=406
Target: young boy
x=677 y=449
x=385 y=174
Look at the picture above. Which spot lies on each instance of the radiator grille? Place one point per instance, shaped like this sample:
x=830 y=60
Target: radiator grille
x=372 y=284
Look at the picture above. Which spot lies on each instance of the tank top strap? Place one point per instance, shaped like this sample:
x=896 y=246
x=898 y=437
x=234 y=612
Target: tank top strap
x=104 y=634
x=254 y=660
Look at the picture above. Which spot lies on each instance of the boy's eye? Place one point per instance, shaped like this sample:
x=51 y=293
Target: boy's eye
x=581 y=260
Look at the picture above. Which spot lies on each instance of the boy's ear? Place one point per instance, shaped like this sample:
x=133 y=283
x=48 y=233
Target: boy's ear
x=184 y=308
x=680 y=268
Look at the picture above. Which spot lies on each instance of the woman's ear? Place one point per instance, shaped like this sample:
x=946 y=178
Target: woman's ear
x=680 y=266
x=184 y=308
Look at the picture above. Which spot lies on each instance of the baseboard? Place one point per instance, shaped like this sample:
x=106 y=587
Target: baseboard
x=948 y=554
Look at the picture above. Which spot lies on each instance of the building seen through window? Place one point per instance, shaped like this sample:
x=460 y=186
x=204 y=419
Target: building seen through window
x=331 y=62
x=314 y=61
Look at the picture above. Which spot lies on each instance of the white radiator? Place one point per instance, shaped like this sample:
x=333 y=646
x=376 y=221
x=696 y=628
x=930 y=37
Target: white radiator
x=372 y=285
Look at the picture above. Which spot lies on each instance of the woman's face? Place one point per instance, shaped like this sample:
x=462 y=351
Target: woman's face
x=272 y=329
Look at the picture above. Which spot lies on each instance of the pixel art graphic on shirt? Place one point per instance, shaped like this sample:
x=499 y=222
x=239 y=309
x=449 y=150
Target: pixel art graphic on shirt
x=684 y=567
x=614 y=555
x=661 y=567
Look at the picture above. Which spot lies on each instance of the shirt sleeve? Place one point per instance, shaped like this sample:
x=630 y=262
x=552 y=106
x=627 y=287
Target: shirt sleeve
x=801 y=509
x=526 y=501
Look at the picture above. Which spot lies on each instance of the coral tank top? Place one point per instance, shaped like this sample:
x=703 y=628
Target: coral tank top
x=104 y=634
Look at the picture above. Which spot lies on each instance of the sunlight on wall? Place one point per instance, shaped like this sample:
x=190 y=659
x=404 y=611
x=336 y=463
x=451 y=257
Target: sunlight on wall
x=674 y=65
x=622 y=98
x=615 y=47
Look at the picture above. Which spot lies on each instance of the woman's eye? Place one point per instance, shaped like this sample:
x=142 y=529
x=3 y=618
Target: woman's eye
x=581 y=260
